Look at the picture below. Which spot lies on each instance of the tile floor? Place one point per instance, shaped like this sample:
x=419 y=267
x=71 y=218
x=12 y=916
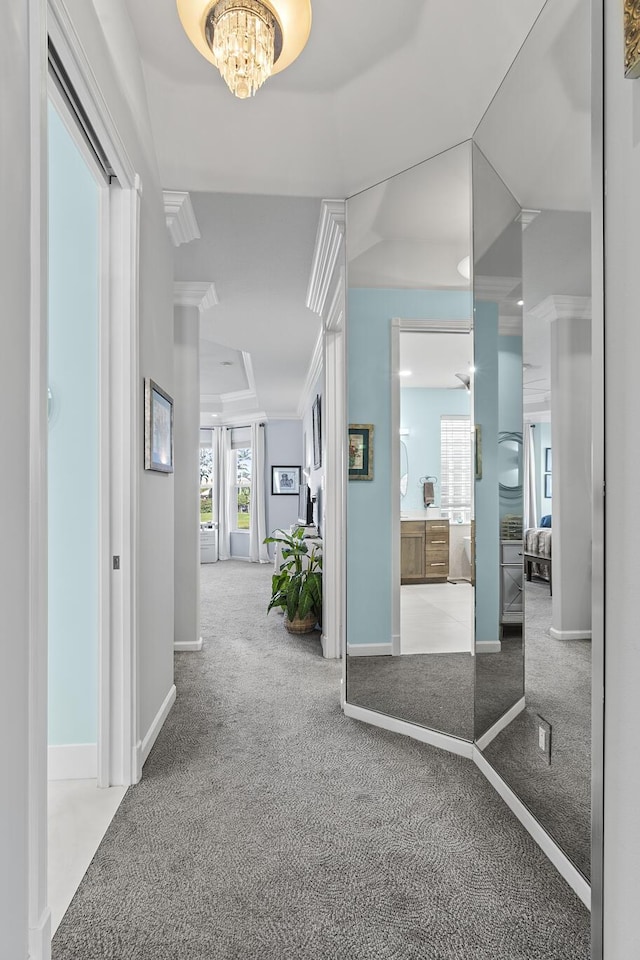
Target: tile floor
x=436 y=618
x=79 y=814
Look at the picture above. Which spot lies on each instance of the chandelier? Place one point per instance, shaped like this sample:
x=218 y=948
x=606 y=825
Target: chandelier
x=247 y=40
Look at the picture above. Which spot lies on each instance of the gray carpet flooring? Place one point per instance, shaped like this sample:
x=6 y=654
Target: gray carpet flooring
x=268 y=825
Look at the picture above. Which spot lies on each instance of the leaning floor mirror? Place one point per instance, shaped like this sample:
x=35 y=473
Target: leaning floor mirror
x=469 y=355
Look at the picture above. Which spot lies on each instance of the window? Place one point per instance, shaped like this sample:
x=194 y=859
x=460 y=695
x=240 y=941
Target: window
x=207 y=474
x=455 y=466
x=241 y=472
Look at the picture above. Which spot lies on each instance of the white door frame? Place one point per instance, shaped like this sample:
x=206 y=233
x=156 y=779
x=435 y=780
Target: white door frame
x=121 y=411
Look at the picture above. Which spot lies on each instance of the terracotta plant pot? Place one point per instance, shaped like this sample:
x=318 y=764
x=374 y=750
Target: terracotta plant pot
x=306 y=625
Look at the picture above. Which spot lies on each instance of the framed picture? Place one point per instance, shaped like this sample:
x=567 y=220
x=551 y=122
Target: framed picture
x=477 y=453
x=547 y=486
x=317 y=432
x=158 y=428
x=360 y=451
x=285 y=481
x=547 y=459
x=631 y=39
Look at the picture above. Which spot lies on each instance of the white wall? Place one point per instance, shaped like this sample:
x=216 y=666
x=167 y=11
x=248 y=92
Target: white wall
x=113 y=57
x=14 y=477
x=283 y=447
x=622 y=412
x=186 y=422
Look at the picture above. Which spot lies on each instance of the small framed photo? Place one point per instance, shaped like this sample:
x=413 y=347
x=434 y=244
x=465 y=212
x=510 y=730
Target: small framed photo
x=360 y=451
x=158 y=428
x=285 y=481
x=547 y=486
x=317 y=432
x=547 y=459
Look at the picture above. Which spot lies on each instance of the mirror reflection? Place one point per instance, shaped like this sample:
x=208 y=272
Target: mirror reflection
x=410 y=613
x=541 y=743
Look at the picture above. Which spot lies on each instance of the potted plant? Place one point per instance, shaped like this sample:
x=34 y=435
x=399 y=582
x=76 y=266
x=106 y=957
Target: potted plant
x=297 y=587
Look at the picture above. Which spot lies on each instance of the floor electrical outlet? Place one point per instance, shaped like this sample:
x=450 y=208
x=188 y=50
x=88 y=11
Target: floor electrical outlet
x=544 y=738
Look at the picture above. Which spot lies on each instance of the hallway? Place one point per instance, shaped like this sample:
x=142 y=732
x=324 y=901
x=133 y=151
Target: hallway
x=267 y=825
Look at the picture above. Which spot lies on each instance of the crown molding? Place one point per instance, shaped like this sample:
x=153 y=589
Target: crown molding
x=433 y=326
x=494 y=288
x=561 y=308
x=195 y=293
x=525 y=217
x=313 y=372
x=329 y=243
x=181 y=219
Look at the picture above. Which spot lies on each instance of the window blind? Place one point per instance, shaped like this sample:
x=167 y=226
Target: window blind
x=455 y=462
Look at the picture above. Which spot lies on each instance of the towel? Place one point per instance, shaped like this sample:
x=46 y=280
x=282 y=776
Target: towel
x=428 y=493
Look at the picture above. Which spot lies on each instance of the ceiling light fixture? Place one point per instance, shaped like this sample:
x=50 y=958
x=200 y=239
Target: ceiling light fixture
x=520 y=303
x=405 y=373
x=464 y=268
x=247 y=40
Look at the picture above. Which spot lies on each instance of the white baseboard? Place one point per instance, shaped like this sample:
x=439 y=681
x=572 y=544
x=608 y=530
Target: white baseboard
x=561 y=862
x=500 y=724
x=369 y=649
x=463 y=748
x=488 y=646
x=187 y=646
x=40 y=938
x=570 y=634
x=396 y=649
x=73 y=761
x=152 y=733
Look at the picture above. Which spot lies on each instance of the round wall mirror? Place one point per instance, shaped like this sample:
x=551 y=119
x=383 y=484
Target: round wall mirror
x=510 y=464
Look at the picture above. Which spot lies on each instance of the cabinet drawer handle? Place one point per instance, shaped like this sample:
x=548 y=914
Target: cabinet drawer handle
x=437 y=564
x=438 y=541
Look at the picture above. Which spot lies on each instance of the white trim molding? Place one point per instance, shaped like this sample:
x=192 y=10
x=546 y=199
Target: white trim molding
x=369 y=649
x=561 y=862
x=488 y=646
x=562 y=308
x=314 y=371
x=501 y=724
x=329 y=241
x=462 y=748
x=569 y=634
x=433 y=326
x=526 y=217
x=73 y=761
x=187 y=646
x=195 y=293
x=144 y=748
x=181 y=219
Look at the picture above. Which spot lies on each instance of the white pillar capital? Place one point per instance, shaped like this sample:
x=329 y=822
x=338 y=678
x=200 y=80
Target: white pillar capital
x=557 y=307
x=195 y=293
x=181 y=219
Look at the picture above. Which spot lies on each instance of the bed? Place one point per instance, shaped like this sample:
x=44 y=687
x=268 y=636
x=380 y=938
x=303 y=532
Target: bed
x=537 y=554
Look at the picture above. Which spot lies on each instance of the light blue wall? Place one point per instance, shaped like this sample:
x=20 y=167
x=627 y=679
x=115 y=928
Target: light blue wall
x=73 y=441
x=370 y=312
x=420 y=412
x=486 y=411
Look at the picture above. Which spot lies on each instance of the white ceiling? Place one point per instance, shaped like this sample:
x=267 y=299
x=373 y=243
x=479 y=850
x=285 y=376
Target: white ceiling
x=379 y=87
x=371 y=95
x=433 y=359
x=258 y=251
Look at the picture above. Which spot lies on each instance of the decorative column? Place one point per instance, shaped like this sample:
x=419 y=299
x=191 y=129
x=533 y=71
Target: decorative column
x=570 y=319
x=190 y=299
x=326 y=297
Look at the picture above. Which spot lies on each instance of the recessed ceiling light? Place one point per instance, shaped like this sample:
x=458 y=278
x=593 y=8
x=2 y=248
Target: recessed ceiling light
x=405 y=373
x=521 y=303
